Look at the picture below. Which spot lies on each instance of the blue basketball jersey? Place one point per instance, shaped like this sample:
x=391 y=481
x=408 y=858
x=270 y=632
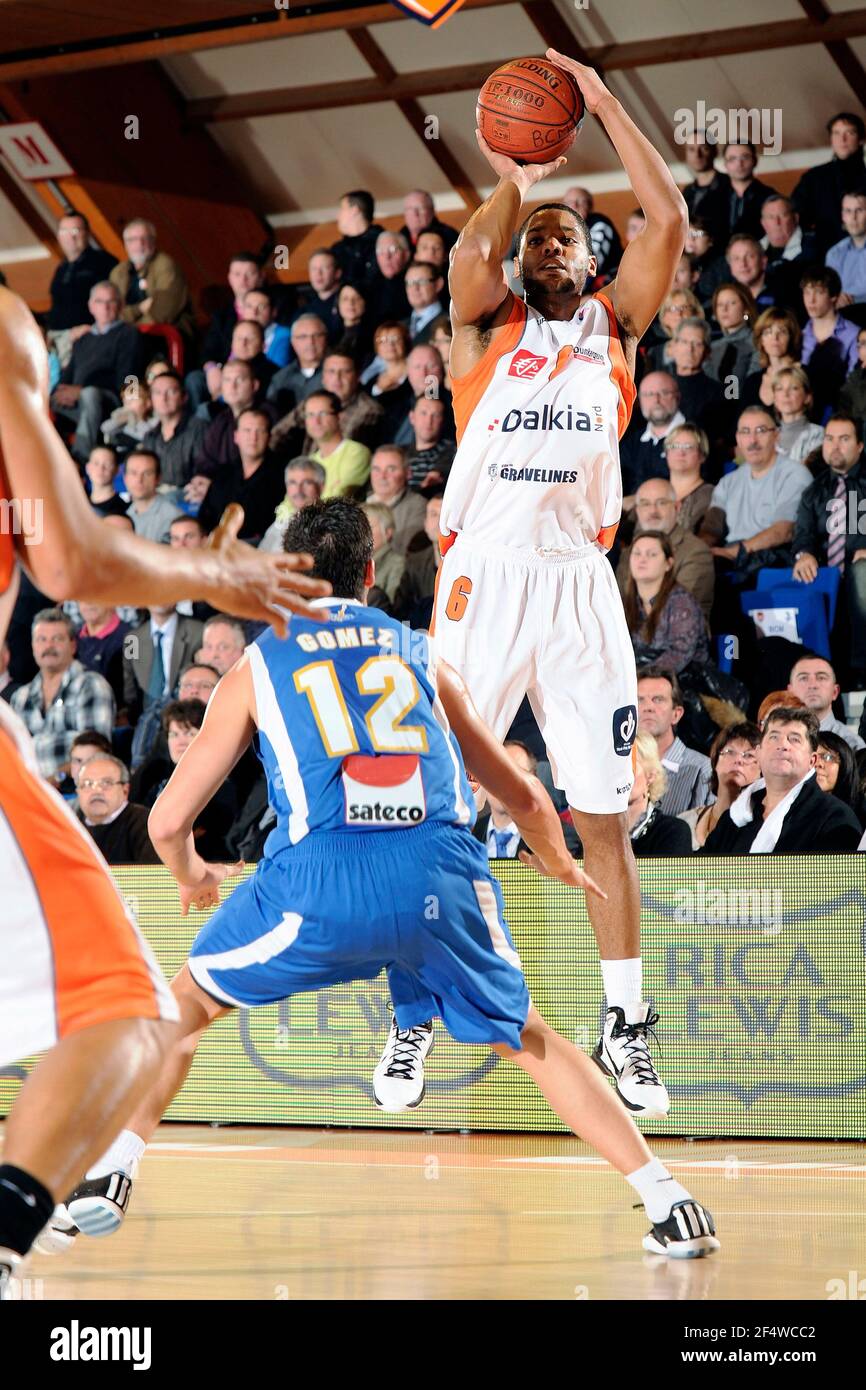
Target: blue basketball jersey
x=352 y=734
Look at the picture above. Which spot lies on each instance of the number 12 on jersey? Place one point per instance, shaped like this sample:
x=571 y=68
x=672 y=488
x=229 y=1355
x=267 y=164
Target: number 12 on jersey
x=386 y=676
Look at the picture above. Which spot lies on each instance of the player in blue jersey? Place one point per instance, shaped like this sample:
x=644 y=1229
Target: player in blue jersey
x=360 y=732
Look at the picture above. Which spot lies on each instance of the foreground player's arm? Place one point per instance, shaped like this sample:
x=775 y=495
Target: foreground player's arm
x=225 y=734
x=70 y=553
x=646 y=270
x=522 y=794
x=476 y=280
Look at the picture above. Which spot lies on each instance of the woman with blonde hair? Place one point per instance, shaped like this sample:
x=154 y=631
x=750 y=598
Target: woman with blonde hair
x=678 y=305
x=777 y=338
x=652 y=833
x=792 y=398
x=686 y=449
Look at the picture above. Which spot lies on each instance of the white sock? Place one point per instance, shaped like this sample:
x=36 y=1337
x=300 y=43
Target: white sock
x=657 y=1189
x=623 y=982
x=121 y=1157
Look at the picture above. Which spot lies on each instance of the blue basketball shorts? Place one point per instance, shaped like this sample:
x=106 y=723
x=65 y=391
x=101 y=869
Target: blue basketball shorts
x=341 y=906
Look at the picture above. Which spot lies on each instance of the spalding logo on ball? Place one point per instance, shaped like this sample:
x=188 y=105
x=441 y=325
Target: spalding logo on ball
x=529 y=109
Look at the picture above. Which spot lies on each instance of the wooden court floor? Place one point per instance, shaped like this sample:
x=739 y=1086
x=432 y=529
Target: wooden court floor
x=294 y=1214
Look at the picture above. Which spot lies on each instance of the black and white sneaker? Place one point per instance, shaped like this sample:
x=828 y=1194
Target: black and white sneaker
x=687 y=1234
x=623 y=1053
x=98 y=1207
x=398 y=1081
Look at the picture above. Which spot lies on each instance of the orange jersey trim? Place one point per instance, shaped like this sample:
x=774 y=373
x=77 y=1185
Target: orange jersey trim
x=7 y=549
x=619 y=372
x=100 y=973
x=468 y=390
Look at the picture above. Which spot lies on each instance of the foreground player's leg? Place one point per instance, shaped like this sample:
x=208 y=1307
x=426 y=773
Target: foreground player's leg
x=622 y=1051
x=98 y=1205
x=681 y=1227
x=68 y=1109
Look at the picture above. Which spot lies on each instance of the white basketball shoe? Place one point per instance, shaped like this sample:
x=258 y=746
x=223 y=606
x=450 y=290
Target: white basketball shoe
x=398 y=1081
x=623 y=1053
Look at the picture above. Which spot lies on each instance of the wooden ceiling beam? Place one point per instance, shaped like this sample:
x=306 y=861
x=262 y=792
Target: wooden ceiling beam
x=469 y=76
x=839 y=50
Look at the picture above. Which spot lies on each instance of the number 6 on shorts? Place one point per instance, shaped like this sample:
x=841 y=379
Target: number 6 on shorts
x=458 y=598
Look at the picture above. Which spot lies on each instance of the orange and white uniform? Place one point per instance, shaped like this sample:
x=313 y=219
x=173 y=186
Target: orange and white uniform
x=526 y=601
x=70 y=952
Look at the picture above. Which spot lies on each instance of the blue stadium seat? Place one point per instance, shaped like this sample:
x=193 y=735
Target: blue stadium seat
x=813 y=628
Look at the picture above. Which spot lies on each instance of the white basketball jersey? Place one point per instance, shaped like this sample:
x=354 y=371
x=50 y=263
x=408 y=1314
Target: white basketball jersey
x=539 y=419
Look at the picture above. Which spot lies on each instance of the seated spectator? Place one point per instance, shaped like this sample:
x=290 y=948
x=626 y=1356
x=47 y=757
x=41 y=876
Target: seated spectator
x=356 y=250
x=63 y=696
x=360 y=416
x=82 y=267
x=346 y=463
x=196 y=682
x=432 y=249
x=707 y=196
x=747 y=261
x=389 y=484
x=733 y=356
x=604 y=238
x=295 y=382
x=181 y=721
x=701 y=399
x=813 y=680
x=679 y=304
x=657 y=510
x=777 y=699
x=686 y=451
x=258 y=307
x=836 y=772
x=244 y=273
x=652 y=831
x=829 y=340
x=154 y=655
x=660 y=709
x=702 y=245
x=420 y=214
x=117 y=825
x=785 y=811
x=493 y=825
x=753 y=509
x=85 y=746
x=441 y=338
x=818 y=196
x=687 y=274
x=792 y=398
x=424 y=285
x=102 y=360
x=248 y=341
x=177 y=438
x=305 y=482
x=848 y=256
x=747 y=195
x=777 y=340
x=131 y=421
x=101 y=471
x=255 y=482
x=425 y=376
x=388 y=562
x=222 y=644
x=414 y=598
x=822 y=535
x=218 y=448
x=150 y=513
x=387 y=371
x=356 y=334
x=852 y=396
x=734 y=763
x=789 y=249
x=387 y=290
x=151 y=285
x=187 y=533
x=325 y=277
x=99 y=645
x=430 y=455
x=643 y=450
x=667 y=627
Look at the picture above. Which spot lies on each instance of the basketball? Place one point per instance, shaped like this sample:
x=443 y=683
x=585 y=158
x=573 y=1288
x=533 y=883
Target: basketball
x=528 y=109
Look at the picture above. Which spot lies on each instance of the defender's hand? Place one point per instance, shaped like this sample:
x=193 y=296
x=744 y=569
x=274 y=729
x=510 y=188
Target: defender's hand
x=253 y=584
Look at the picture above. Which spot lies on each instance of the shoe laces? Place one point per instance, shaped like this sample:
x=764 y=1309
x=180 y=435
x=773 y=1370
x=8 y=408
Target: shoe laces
x=404 y=1054
x=637 y=1049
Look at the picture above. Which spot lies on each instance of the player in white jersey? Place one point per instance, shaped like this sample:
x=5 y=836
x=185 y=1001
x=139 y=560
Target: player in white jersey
x=526 y=601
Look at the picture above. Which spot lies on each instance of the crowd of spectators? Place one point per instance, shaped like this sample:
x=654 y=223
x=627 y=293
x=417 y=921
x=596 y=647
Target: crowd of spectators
x=744 y=453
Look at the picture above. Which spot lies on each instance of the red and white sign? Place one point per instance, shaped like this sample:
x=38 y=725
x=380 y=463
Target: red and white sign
x=526 y=364
x=32 y=153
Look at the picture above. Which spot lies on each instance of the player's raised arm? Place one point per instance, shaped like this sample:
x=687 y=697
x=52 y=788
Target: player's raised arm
x=646 y=270
x=527 y=801
x=70 y=554
x=476 y=279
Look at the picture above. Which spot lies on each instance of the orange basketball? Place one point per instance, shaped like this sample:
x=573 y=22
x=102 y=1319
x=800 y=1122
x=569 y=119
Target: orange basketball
x=528 y=110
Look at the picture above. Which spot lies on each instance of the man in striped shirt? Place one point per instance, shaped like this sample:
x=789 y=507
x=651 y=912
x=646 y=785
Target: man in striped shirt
x=660 y=709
